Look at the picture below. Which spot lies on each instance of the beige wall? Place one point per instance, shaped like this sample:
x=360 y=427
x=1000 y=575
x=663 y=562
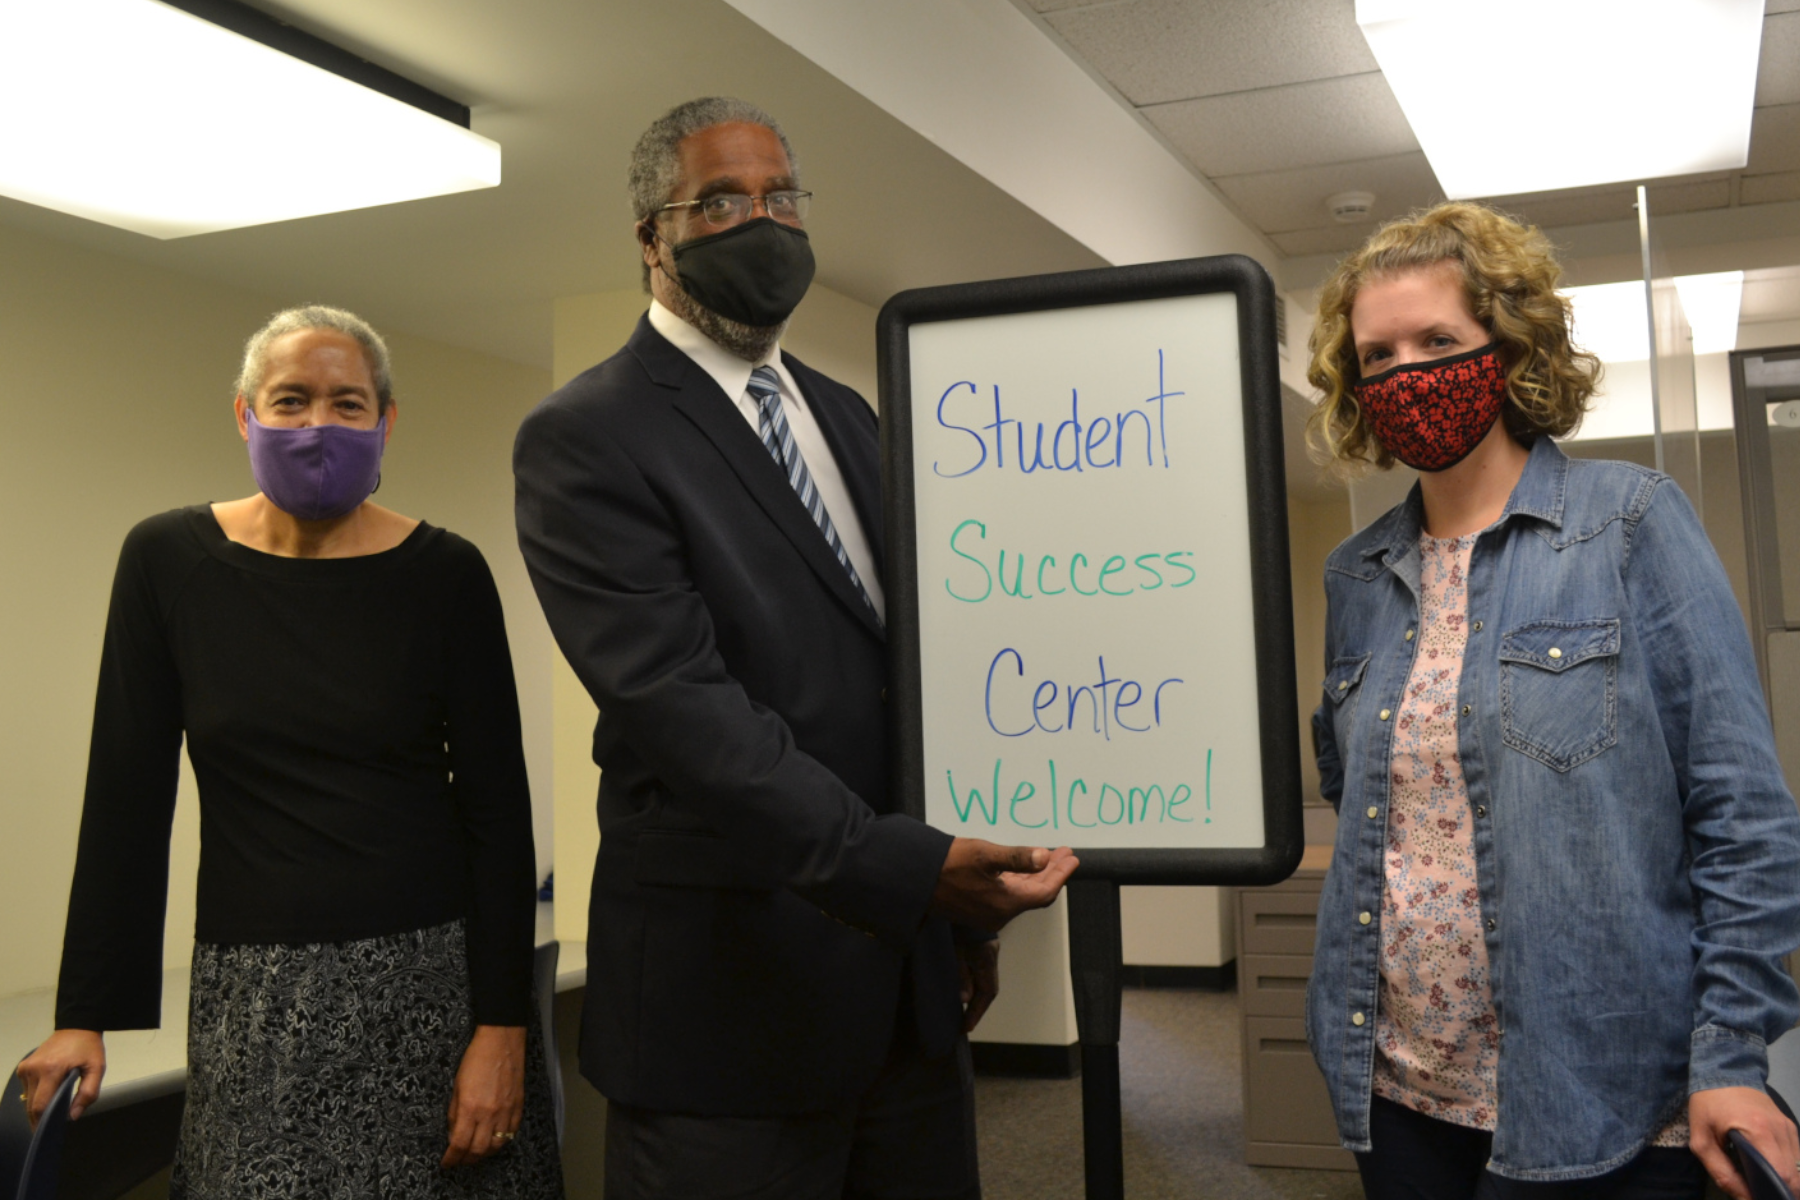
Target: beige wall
x=114 y=397
x=1177 y=926
x=1314 y=530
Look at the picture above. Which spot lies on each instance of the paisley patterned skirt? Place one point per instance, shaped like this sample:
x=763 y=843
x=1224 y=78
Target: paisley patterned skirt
x=324 y=1072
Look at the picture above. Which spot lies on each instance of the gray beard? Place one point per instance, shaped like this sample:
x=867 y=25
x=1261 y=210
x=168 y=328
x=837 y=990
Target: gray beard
x=751 y=343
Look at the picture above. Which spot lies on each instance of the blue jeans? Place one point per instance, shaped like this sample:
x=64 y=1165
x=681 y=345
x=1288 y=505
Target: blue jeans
x=1415 y=1157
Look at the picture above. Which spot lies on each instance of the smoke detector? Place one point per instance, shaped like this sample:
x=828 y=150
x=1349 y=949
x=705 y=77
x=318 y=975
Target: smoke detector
x=1347 y=208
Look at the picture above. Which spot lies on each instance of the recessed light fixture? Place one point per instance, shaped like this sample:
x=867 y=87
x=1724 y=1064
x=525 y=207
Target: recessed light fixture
x=1595 y=91
x=1611 y=321
x=145 y=116
x=1711 y=303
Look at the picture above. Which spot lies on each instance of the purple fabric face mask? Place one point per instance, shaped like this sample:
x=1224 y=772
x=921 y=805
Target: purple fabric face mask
x=318 y=472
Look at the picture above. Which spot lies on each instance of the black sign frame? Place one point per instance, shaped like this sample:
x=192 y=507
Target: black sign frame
x=1265 y=473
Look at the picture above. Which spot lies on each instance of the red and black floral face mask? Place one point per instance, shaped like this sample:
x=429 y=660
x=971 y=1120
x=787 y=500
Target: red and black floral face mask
x=1431 y=415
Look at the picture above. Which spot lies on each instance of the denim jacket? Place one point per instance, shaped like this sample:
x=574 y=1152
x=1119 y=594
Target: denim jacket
x=1637 y=854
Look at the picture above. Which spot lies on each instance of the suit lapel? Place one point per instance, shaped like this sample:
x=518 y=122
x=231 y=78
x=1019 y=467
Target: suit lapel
x=698 y=398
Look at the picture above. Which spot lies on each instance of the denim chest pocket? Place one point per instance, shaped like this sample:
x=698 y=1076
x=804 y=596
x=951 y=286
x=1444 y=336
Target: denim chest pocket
x=1559 y=690
x=1343 y=684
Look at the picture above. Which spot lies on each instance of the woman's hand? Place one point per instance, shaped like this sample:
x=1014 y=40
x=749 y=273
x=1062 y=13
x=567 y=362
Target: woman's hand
x=1714 y=1113
x=44 y=1069
x=489 y=1096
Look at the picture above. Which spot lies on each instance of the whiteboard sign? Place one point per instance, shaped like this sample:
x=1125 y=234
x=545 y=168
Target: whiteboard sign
x=1088 y=575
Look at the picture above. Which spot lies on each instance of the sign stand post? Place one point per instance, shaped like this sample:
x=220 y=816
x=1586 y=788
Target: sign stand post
x=1095 y=955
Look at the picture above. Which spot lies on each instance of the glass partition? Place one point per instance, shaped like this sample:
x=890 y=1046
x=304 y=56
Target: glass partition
x=1765 y=386
x=1671 y=365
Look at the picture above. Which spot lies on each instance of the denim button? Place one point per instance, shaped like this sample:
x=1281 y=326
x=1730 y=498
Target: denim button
x=1490 y=924
x=1409 y=635
x=1481 y=810
x=1555 y=653
x=1356 y=1018
x=1373 y=812
x=1476 y=627
x=1386 y=713
x=1364 y=918
x=1467 y=709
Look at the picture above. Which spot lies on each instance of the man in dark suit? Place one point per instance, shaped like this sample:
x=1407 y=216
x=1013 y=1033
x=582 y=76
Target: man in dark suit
x=777 y=1000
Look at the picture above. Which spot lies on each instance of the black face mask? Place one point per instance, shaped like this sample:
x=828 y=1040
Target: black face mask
x=754 y=273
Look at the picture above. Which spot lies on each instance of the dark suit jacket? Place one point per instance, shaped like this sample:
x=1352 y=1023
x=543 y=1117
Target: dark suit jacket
x=758 y=904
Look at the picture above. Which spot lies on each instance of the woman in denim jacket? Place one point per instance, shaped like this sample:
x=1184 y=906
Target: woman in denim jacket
x=1567 y=867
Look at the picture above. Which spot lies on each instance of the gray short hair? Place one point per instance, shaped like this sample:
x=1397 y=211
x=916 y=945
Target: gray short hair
x=656 y=159
x=316 y=316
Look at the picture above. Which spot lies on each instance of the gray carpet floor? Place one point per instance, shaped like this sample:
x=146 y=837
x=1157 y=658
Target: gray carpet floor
x=1181 y=1080
x=1183 y=1101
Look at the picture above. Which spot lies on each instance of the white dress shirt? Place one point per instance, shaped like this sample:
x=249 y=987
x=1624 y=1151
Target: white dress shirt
x=733 y=376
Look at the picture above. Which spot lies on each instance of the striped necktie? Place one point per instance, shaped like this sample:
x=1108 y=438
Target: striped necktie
x=765 y=389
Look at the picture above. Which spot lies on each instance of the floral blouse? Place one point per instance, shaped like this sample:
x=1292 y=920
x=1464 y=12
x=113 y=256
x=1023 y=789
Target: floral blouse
x=1436 y=1035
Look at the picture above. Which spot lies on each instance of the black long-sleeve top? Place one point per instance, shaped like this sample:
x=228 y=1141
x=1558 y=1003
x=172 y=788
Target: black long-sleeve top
x=354 y=730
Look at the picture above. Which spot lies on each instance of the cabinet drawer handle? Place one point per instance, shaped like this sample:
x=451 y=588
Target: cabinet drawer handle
x=1288 y=920
x=1281 y=983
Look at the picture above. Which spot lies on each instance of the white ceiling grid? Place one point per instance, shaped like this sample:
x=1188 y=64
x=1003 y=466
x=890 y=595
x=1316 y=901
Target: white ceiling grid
x=1279 y=103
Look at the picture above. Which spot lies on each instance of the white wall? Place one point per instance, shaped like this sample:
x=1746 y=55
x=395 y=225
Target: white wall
x=115 y=389
x=1177 y=926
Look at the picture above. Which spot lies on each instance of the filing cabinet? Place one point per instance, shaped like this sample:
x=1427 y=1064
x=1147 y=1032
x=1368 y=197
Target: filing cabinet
x=1287 y=1112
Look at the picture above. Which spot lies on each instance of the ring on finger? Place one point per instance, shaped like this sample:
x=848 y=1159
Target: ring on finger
x=504 y=1135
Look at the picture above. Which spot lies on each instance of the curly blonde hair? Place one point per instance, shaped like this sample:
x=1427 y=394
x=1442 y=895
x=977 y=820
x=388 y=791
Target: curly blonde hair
x=1509 y=276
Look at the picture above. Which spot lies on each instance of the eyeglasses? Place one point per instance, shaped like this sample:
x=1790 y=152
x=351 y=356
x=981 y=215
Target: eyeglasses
x=732 y=208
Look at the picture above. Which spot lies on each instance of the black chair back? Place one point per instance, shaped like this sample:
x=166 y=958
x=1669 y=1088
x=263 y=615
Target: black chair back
x=30 y=1158
x=544 y=982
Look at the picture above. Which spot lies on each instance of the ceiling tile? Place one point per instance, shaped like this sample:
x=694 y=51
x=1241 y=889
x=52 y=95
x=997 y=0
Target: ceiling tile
x=1771 y=294
x=1332 y=239
x=1518 y=200
x=1155 y=51
x=1775 y=139
x=1669 y=198
x=1346 y=119
x=1767 y=189
x=1553 y=210
x=1283 y=201
x=1778 y=70
x=1617 y=201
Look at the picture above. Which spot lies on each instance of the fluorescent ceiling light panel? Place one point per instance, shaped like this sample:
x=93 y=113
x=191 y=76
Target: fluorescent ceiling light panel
x=1510 y=96
x=1711 y=303
x=1610 y=321
x=142 y=116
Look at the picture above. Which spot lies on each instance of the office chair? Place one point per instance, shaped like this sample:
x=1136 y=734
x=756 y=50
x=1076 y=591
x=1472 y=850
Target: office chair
x=1764 y=1182
x=29 y=1158
x=544 y=970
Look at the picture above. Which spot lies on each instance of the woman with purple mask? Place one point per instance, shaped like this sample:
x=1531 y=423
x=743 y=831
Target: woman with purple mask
x=361 y=1019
